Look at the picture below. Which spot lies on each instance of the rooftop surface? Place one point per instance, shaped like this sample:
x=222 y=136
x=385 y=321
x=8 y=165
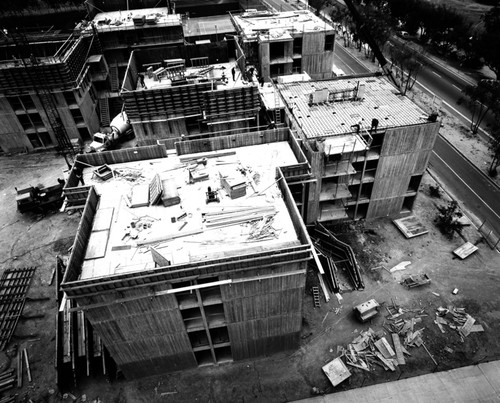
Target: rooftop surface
x=124 y=20
x=218 y=73
x=213 y=25
x=196 y=234
x=379 y=100
x=280 y=25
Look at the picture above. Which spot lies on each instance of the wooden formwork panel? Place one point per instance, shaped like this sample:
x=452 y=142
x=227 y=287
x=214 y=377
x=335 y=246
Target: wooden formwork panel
x=231 y=141
x=409 y=138
x=125 y=155
x=394 y=186
x=262 y=306
x=421 y=162
x=384 y=207
x=135 y=327
x=158 y=365
x=245 y=345
x=396 y=165
x=265 y=285
x=82 y=237
x=265 y=346
x=313 y=43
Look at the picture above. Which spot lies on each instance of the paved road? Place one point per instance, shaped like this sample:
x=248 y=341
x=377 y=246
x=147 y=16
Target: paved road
x=473 y=189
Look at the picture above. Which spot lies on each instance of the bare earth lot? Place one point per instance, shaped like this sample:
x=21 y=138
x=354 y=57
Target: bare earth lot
x=35 y=241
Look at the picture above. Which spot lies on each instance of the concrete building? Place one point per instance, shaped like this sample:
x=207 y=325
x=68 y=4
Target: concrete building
x=204 y=277
x=368 y=146
x=47 y=97
x=285 y=43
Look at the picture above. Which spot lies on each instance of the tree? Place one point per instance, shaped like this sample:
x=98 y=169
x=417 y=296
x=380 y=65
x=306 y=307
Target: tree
x=406 y=60
x=483 y=97
x=318 y=5
x=447 y=219
x=376 y=18
x=488 y=43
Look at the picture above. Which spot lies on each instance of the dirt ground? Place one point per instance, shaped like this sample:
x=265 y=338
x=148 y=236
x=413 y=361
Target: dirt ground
x=28 y=240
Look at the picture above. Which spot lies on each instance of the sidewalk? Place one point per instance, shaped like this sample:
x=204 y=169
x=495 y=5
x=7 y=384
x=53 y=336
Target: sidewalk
x=475 y=383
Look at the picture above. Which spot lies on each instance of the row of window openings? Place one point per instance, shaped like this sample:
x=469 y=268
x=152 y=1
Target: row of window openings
x=277 y=49
x=34 y=120
x=25 y=102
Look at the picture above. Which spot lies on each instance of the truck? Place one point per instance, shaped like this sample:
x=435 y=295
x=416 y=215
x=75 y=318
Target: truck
x=39 y=199
x=119 y=130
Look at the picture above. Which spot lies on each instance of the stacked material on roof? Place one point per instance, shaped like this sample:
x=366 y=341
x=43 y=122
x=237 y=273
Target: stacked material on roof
x=170 y=194
x=237 y=215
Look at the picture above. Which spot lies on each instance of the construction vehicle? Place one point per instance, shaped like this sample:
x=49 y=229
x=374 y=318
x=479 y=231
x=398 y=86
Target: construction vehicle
x=119 y=130
x=39 y=199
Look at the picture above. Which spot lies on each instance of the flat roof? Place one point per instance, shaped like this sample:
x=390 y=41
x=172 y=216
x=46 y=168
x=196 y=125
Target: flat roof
x=379 y=100
x=218 y=73
x=213 y=25
x=197 y=234
x=279 y=26
x=124 y=20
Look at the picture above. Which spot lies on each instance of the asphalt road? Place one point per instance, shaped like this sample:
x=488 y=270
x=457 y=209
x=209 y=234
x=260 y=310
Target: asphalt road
x=475 y=191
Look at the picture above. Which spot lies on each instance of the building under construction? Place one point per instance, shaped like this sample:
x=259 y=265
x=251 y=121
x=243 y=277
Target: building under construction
x=193 y=258
x=285 y=43
x=368 y=146
x=46 y=92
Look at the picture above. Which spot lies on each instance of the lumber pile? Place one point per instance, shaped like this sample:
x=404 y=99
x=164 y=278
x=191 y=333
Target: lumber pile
x=263 y=230
x=457 y=319
x=7 y=381
x=236 y=215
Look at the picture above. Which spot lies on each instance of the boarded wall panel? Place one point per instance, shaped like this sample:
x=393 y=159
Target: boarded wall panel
x=385 y=188
x=262 y=306
x=384 y=207
x=396 y=165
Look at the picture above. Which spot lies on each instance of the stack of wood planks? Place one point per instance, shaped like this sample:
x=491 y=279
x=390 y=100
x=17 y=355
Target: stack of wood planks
x=14 y=285
x=7 y=381
x=236 y=215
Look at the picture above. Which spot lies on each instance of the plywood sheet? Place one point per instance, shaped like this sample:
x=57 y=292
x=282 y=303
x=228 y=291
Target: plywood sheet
x=96 y=247
x=140 y=196
x=465 y=250
x=336 y=371
x=102 y=219
x=410 y=226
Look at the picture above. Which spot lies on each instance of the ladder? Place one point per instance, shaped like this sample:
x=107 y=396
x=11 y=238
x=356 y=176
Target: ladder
x=115 y=80
x=104 y=111
x=277 y=105
x=315 y=291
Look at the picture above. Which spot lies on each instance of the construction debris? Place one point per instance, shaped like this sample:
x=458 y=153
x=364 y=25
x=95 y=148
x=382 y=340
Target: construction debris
x=336 y=371
x=457 y=319
x=400 y=266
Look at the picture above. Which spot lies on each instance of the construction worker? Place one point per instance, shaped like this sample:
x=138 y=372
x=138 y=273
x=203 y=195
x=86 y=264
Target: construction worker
x=141 y=80
x=233 y=72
